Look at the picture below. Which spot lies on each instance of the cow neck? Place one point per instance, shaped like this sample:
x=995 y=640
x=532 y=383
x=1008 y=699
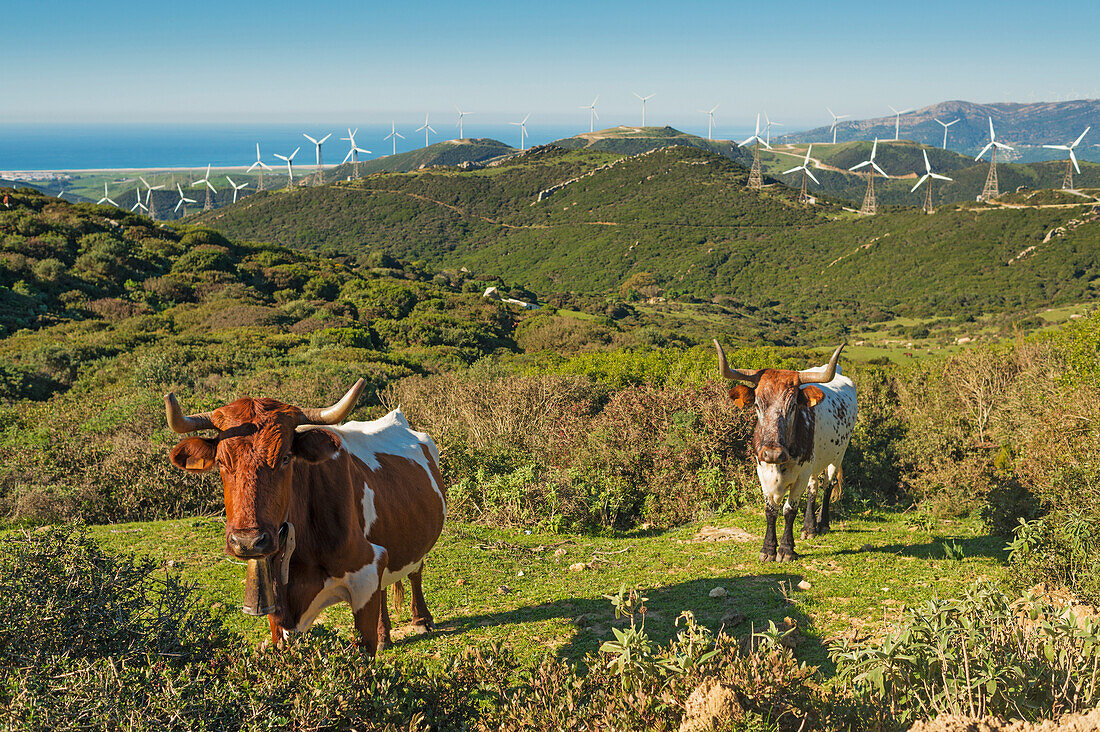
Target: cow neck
x=802 y=436
x=323 y=510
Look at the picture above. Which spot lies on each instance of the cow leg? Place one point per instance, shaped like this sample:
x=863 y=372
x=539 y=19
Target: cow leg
x=809 y=522
x=421 y=617
x=826 y=499
x=790 y=512
x=383 y=622
x=276 y=630
x=771 y=513
x=367 y=623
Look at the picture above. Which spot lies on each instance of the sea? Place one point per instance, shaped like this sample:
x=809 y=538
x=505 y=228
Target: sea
x=74 y=147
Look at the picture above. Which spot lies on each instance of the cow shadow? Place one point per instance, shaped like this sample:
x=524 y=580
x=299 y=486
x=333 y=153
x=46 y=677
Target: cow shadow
x=941 y=547
x=750 y=604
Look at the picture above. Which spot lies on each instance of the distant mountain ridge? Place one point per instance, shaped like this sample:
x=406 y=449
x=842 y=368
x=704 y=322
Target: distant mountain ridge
x=448 y=152
x=1025 y=126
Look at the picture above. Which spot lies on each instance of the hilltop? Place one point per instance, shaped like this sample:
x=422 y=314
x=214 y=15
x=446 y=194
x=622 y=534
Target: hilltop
x=1025 y=126
x=627 y=140
x=684 y=217
x=449 y=152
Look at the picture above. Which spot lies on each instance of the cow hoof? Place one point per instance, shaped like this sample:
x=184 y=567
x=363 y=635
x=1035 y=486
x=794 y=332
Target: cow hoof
x=823 y=528
x=808 y=534
x=786 y=556
x=766 y=557
x=421 y=627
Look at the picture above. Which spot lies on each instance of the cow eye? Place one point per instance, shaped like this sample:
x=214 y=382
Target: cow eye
x=286 y=459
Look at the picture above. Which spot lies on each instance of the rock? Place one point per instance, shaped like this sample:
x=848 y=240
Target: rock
x=503 y=590
x=718 y=592
x=711 y=706
x=646 y=526
x=578 y=567
x=561 y=552
x=519 y=573
x=804 y=585
x=733 y=617
x=460 y=582
x=171 y=562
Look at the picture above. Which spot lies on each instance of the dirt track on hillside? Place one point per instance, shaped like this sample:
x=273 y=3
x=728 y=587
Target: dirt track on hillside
x=1089 y=722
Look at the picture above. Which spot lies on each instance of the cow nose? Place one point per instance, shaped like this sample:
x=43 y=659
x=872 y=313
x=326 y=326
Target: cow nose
x=773 y=454
x=255 y=543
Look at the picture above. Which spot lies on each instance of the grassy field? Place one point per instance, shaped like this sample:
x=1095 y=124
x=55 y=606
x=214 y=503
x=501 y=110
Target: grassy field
x=518 y=588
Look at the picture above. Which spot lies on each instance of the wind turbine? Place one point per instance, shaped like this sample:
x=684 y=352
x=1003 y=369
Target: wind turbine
x=522 y=130
x=897 y=120
x=318 y=143
x=1067 y=182
x=150 y=207
x=106 y=198
x=945 y=126
x=644 y=100
x=710 y=119
x=236 y=187
x=427 y=128
x=804 y=197
x=928 y=176
x=261 y=165
x=184 y=200
x=394 y=134
x=992 y=189
x=870 y=205
x=353 y=153
x=289 y=160
x=836 y=118
x=768 y=124
x=137 y=201
x=592 y=116
x=461 y=114
x=756 y=178
x=208 y=205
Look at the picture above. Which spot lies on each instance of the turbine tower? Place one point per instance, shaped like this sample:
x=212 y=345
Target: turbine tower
x=897 y=120
x=1067 y=182
x=870 y=204
x=208 y=205
x=353 y=153
x=522 y=130
x=644 y=100
x=317 y=144
x=756 y=178
x=184 y=200
x=710 y=119
x=945 y=126
x=394 y=134
x=289 y=160
x=106 y=198
x=928 y=176
x=992 y=189
x=236 y=188
x=804 y=197
x=592 y=116
x=261 y=165
x=150 y=205
x=461 y=114
x=768 y=124
x=427 y=128
x=836 y=118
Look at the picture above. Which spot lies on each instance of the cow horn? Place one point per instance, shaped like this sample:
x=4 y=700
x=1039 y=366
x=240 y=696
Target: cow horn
x=181 y=423
x=737 y=374
x=817 y=377
x=338 y=411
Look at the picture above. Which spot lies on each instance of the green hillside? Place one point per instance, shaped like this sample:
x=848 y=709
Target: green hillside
x=685 y=217
x=625 y=140
x=449 y=152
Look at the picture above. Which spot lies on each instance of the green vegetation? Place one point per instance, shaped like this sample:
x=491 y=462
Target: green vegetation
x=446 y=153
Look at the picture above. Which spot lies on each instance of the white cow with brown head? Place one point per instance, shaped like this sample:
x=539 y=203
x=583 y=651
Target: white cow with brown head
x=804 y=420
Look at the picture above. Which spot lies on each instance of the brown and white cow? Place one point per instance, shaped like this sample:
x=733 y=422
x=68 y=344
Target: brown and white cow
x=804 y=420
x=343 y=510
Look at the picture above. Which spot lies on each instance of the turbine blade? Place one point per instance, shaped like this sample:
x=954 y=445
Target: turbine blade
x=812 y=177
x=940 y=177
x=875 y=165
x=322 y=141
x=984 y=151
x=788 y=172
x=922 y=179
x=927 y=165
x=1074 y=159
x=860 y=165
x=1082 y=137
x=348 y=156
x=1057 y=147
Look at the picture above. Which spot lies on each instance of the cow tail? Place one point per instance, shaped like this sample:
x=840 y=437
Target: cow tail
x=398 y=597
x=838 y=491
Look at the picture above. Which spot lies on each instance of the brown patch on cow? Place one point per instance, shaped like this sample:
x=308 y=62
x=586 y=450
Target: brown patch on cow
x=780 y=388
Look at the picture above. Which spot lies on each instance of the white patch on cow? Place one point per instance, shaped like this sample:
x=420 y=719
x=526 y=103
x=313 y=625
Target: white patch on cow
x=390 y=578
x=370 y=515
x=772 y=481
x=355 y=588
x=389 y=435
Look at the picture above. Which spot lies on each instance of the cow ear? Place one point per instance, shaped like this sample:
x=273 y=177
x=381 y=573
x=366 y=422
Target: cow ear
x=811 y=395
x=316 y=445
x=742 y=396
x=195 y=454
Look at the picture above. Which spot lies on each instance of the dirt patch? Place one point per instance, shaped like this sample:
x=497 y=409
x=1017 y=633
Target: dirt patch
x=1088 y=722
x=714 y=533
x=711 y=703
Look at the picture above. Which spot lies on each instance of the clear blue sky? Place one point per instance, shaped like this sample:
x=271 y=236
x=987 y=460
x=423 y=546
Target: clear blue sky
x=231 y=60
